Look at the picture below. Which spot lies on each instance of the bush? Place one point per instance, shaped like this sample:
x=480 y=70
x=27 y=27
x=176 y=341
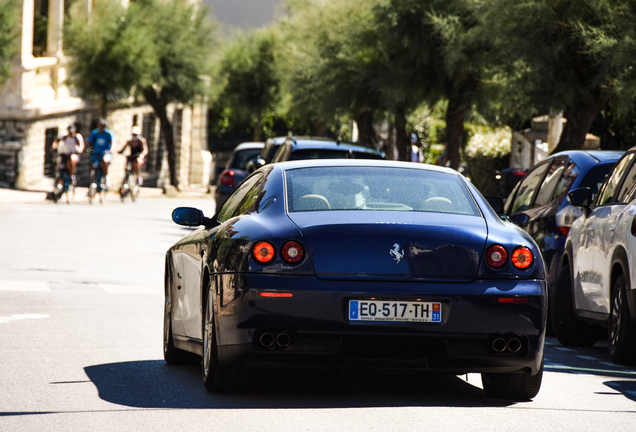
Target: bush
x=488 y=151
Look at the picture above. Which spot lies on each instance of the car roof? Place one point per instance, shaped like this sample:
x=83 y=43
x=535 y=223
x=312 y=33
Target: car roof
x=249 y=145
x=317 y=163
x=326 y=143
x=601 y=156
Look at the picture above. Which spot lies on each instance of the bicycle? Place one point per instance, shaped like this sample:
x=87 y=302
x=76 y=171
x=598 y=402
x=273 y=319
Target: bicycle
x=63 y=183
x=130 y=185
x=97 y=185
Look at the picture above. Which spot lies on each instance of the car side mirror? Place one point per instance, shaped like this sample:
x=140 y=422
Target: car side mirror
x=581 y=197
x=496 y=203
x=190 y=216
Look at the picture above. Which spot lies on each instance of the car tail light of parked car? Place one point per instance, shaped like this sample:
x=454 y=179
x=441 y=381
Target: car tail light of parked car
x=565 y=217
x=227 y=177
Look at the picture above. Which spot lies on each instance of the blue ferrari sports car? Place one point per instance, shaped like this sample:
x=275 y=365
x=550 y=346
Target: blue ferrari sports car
x=356 y=264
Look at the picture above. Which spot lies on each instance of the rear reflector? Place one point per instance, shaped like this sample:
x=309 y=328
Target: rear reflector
x=275 y=294
x=513 y=300
x=564 y=230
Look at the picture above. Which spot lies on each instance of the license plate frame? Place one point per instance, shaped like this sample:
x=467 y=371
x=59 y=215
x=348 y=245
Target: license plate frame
x=395 y=311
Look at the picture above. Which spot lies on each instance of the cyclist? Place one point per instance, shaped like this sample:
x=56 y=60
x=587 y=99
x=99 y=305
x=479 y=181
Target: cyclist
x=138 y=152
x=102 y=140
x=69 y=146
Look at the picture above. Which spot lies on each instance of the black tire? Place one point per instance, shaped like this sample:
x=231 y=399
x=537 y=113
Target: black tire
x=621 y=332
x=568 y=329
x=521 y=386
x=172 y=355
x=217 y=378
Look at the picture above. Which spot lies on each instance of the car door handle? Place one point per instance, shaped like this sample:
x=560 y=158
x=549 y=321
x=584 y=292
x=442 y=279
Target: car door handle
x=591 y=228
x=612 y=227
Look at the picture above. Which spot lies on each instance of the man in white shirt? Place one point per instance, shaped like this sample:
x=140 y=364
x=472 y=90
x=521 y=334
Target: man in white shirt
x=69 y=146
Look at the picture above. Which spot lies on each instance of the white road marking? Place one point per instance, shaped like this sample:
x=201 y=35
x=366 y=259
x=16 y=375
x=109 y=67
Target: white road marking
x=130 y=289
x=4 y=320
x=36 y=286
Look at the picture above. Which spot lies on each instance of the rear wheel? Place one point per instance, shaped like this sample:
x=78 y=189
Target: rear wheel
x=513 y=385
x=568 y=329
x=218 y=378
x=621 y=330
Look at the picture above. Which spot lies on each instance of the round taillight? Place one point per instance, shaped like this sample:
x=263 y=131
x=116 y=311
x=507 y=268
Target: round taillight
x=522 y=258
x=263 y=252
x=292 y=252
x=496 y=256
x=227 y=178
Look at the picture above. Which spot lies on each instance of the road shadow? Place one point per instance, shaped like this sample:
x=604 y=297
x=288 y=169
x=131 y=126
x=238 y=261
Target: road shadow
x=154 y=384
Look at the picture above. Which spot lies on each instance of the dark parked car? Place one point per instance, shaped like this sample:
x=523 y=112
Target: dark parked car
x=266 y=155
x=538 y=203
x=235 y=170
x=322 y=148
x=356 y=264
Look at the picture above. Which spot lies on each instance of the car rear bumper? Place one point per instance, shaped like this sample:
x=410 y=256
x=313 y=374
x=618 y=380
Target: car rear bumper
x=316 y=330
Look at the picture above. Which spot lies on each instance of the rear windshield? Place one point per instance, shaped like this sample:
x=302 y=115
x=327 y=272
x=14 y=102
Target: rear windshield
x=595 y=178
x=377 y=189
x=331 y=154
x=242 y=157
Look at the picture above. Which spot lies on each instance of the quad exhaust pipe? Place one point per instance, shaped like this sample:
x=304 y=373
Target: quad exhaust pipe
x=509 y=344
x=275 y=340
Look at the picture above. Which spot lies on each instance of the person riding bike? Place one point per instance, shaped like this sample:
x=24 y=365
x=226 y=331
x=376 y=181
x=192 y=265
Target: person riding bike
x=69 y=146
x=138 y=152
x=102 y=140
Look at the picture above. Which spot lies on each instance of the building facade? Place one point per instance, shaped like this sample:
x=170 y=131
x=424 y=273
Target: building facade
x=36 y=106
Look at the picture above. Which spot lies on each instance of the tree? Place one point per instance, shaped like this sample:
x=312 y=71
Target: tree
x=8 y=35
x=436 y=51
x=249 y=73
x=107 y=51
x=566 y=56
x=330 y=62
x=183 y=40
x=158 y=48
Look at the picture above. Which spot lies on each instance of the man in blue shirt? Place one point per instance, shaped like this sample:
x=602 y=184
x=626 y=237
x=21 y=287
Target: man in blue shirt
x=102 y=140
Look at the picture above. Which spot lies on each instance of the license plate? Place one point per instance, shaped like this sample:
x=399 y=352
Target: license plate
x=405 y=311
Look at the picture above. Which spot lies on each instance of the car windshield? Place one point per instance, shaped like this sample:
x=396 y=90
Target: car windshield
x=331 y=154
x=377 y=189
x=242 y=157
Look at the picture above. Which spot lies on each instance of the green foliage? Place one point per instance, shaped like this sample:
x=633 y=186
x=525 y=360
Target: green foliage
x=107 y=51
x=182 y=40
x=615 y=132
x=552 y=56
x=8 y=35
x=330 y=62
x=488 y=150
x=250 y=82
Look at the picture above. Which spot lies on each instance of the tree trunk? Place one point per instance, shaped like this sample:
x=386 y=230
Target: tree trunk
x=321 y=129
x=454 y=131
x=402 y=141
x=103 y=100
x=366 y=132
x=258 y=129
x=160 y=107
x=579 y=121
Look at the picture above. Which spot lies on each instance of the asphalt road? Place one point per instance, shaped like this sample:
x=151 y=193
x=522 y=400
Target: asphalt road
x=81 y=295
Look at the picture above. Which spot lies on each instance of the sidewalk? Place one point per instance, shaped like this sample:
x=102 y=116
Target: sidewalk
x=9 y=196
